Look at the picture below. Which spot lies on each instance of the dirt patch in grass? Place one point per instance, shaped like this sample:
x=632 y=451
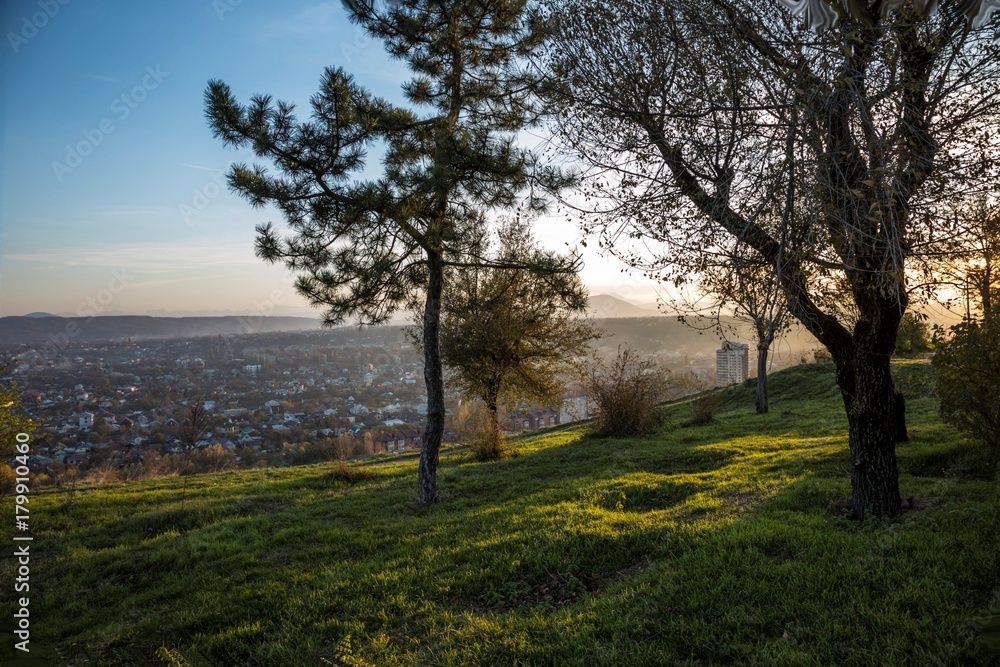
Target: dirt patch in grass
x=741 y=500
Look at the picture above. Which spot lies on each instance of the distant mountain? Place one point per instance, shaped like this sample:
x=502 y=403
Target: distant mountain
x=40 y=315
x=608 y=306
x=40 y=329
x=277 y=311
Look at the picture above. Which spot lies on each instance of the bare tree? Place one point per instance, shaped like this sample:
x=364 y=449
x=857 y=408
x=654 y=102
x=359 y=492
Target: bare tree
x=748 y=287
x=194 y=426
x=971 y=265
x=833 y=156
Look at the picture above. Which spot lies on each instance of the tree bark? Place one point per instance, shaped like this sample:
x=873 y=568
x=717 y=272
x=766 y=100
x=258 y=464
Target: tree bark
x=434 y=382
x=762 y=379
x=899 y=417
x=493 y=406
x=494 y=434
x=866 y=385
x=862 y=359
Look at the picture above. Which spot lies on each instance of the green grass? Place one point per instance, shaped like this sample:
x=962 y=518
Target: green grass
x=720 y=544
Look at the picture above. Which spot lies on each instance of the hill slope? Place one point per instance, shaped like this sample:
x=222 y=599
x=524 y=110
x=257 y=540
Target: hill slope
x=721 y=544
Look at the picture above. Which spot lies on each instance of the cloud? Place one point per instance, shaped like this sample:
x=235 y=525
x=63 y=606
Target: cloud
x=201 y=168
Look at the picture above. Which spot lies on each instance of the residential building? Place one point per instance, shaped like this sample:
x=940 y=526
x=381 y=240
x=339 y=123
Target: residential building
x=731 y=364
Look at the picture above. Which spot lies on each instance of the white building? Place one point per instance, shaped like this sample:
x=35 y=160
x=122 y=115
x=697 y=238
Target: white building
x=86 y=420
x=573 y=409
x=731 y=364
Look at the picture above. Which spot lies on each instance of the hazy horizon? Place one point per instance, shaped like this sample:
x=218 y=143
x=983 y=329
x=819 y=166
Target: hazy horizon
x=265 y=308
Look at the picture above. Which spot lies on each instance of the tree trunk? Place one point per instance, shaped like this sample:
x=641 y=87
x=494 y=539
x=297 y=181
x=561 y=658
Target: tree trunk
x=761 y=379
x=899 y=417
x=493 y=447
x=434 y=381
x=492 y=405
x=866 y=384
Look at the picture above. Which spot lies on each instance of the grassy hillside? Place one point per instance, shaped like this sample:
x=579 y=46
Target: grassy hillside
x=720 y=544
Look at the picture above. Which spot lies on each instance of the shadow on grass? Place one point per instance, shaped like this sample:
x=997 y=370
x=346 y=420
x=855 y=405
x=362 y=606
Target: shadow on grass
x=784 y=582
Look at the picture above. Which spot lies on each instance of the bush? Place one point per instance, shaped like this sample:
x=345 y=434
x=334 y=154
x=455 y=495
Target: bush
x=704 y=409
x=968 y=382
x=489 y=444
x=821 y=354
x=627 y=394
x=343 y=471
x=913 y=335
x=471 y=424
x=214 y=458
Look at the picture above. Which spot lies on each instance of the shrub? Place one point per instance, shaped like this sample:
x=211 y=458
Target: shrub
x=342 y=471
x=626 y=394
x=704 y=409
x=488 y=443
x=968 y=382
x=914 y=380
x=214 y=458
x=913 y=335
x=821 y=354
x=471 y=425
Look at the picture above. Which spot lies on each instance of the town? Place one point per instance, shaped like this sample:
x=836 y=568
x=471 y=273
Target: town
x=117 y=409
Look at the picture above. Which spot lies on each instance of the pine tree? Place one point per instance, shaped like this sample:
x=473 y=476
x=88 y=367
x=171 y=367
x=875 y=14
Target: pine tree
x=364 y=248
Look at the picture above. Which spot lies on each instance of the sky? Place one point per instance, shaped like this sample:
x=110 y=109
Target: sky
x=112 y=198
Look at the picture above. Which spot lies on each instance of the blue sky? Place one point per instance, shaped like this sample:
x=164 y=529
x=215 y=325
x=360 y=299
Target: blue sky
x=110 y=185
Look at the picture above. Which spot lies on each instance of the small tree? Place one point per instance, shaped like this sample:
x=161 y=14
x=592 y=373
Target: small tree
x=972 y=267
x=968 y=381
x=191 y=429
x=750 y=287
x=509 y=334
x=626 y=393
x=194 y=426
